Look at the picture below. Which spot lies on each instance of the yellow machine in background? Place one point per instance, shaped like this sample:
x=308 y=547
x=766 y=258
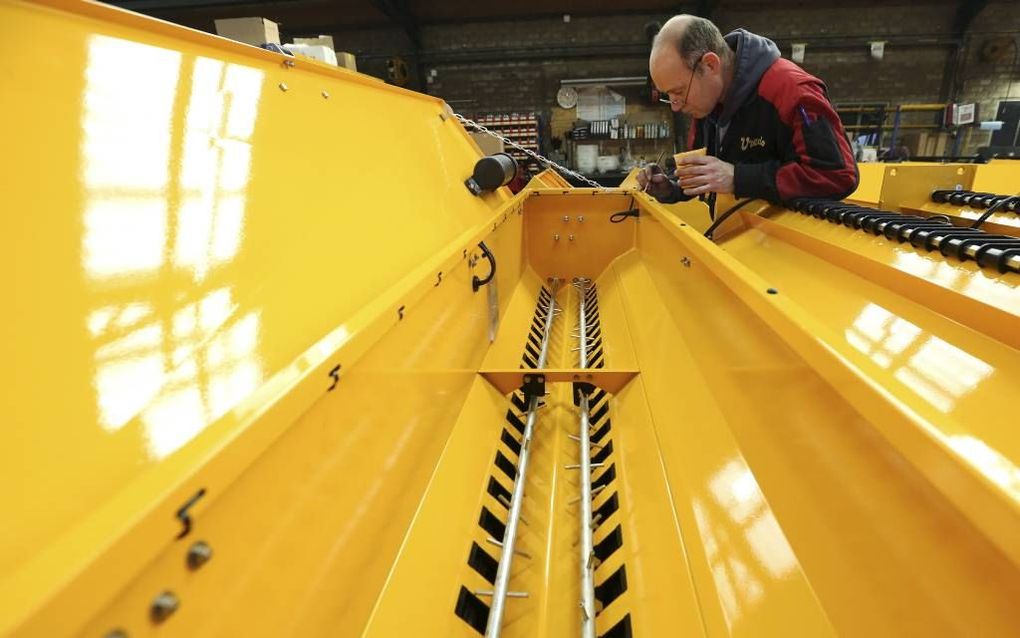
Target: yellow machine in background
x=274 y=370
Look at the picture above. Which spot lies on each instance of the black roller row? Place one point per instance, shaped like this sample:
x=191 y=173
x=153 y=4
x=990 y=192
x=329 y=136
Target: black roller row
x=1001 y=252
x=975 y=200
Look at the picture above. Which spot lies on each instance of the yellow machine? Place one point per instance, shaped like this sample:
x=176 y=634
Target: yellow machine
x=265 y=381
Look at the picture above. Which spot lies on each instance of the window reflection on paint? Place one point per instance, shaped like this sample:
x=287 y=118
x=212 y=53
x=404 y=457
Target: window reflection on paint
x=159 y=207
x=743 y=542
x=937 y=371
x=996 y=467
x=988 y=287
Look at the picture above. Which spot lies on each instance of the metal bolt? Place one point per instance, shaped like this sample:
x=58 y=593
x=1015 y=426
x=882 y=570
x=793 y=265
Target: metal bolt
x=566 y=218
x=570 y=237
x=686 y=262
x=288 y=63
x=556 y=236
x=163 y=606
x=199 y=554
x=580 y=218
x=772 y=291
x=283 y=87
x=325 y=94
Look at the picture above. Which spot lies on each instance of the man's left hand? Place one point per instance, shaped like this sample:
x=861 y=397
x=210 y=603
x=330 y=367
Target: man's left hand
x=705 y=174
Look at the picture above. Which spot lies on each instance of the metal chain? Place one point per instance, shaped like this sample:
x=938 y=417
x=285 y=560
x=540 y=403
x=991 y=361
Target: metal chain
x=530 y=153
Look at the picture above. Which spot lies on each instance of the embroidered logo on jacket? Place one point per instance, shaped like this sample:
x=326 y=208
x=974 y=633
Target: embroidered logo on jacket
x=751 y=142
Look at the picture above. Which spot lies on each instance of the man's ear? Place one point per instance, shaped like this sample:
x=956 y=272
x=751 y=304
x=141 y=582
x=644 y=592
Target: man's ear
x=711 y=62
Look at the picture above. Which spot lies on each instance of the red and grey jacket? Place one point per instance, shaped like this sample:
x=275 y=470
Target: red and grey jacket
x=778 y=129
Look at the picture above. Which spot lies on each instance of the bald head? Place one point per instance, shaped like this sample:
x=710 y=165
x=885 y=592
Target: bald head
x=691 y=38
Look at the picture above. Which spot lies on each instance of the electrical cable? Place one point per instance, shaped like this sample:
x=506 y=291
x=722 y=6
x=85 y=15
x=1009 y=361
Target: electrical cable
x=721 y=218
x=988 y=213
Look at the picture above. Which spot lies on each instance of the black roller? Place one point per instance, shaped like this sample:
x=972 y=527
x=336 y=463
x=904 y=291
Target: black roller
x=491 y=172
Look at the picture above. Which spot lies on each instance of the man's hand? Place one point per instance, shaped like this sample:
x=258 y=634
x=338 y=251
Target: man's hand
x=704 y=174
x=653 y=181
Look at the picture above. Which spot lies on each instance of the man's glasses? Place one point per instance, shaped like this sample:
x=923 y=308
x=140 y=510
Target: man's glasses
x=666 y=100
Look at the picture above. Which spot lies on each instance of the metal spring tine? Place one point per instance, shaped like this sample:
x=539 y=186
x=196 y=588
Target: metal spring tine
x=519 y=552
x=578 y=466
x=591 y=443
x=506 y=503
x=509 y=594
x=577 y=499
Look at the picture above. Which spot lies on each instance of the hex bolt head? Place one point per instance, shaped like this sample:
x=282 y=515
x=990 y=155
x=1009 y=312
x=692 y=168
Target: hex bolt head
x=556 y=236
x=283 y=87
x=580 y=218
x=163 y=606
x=570 y=237
x=566 y=218
x=199 y=554
x=686 y=262
x=325 y=94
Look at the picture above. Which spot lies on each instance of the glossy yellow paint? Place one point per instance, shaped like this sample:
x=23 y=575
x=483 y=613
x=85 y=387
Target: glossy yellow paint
x=219 y=314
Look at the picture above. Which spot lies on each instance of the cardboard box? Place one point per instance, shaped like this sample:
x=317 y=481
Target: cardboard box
x=488 y=144
x=322 y=40
x=253 y=31
x=346 y=60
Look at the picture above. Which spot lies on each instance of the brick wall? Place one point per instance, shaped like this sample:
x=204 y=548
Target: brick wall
x=517 y=65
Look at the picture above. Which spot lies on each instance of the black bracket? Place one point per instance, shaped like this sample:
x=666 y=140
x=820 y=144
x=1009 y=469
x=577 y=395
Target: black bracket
x=184 y=517
x=533 y=386
x=477 y=283
x=582 y=388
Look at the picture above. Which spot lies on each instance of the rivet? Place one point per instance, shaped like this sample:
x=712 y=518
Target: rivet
x=325 y=94
x=198 y=554
x=163 y=606
x=283 y=87
x=772 y=291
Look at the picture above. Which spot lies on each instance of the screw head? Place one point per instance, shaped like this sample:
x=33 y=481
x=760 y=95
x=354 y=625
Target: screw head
x=580 y=218
x=556 y=236
x=325 y=94
x=163 y=606
x=566 y=218
x=570 y=237
x=198 y=554
x=288 y=63
x=772 y=291
x=283 y=86
x=686 y=262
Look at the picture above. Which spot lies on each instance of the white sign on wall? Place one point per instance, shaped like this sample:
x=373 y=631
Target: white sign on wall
x=600 y=103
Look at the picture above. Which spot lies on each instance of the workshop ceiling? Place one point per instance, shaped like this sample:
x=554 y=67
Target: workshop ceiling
x=337 y=15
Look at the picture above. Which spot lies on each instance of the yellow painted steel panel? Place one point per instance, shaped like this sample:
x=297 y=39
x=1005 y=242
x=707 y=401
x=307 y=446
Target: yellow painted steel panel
x=237 y=322
x=869 y=188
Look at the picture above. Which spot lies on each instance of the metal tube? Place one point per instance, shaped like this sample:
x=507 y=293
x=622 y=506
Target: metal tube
x=587 y=561
x=499 y=592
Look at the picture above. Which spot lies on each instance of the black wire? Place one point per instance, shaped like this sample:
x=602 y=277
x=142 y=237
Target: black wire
x=988 y=213
x=722 y=218
x=616 y=218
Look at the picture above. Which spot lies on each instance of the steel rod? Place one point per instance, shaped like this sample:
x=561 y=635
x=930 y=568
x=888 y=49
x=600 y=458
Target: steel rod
x=501 y=587
x=584 y=449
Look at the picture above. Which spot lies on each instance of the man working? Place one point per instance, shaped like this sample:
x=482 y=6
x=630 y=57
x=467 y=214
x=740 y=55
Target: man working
x=768 y=127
